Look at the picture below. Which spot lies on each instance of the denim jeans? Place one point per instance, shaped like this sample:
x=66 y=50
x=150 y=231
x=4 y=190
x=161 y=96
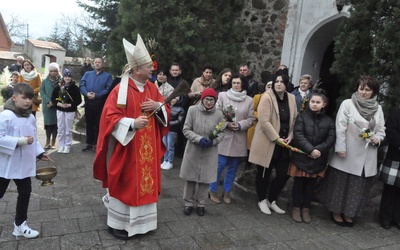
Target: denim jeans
x=232 y=165
x=169 y=141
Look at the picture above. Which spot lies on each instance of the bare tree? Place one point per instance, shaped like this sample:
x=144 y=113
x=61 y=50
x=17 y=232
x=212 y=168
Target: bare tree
x=17 y=29
x=69 y=32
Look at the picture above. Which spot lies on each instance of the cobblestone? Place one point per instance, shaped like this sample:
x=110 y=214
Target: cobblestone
x=70 y=215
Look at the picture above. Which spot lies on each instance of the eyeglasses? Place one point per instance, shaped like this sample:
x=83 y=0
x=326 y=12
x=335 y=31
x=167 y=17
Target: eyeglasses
x=209 y=99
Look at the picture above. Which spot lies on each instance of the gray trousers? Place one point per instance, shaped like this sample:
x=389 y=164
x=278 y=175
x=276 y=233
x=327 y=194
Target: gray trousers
x=189 y=193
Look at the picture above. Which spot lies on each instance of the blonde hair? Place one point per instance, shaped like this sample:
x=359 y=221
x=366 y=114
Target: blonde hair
x=306 y=77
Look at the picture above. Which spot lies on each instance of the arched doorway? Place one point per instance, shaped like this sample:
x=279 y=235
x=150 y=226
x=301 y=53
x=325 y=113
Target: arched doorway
x=319 y=57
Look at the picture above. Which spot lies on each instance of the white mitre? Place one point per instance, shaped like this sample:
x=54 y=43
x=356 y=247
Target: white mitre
x=136 y=56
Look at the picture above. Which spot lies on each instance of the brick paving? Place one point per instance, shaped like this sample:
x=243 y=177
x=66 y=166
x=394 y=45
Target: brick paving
x=70 y=215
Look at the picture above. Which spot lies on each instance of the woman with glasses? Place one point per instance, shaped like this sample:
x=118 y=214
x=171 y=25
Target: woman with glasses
x=201 y=153
x=238 y=110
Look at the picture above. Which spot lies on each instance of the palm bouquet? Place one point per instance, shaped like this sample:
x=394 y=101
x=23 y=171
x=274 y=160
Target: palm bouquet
x=229 y=113
x=216 y=131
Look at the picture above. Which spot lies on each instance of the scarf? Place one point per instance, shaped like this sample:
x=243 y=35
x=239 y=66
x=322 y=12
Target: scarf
x=366 y=108
x=10 y=105
x=303 y=93
x=29 y=76
x=67 y=84
x=54 y=80
x=205 y=82
x=236 y=96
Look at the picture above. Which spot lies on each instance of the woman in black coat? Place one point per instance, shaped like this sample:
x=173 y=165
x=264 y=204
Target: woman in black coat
x=314 y=134
x=389 y=211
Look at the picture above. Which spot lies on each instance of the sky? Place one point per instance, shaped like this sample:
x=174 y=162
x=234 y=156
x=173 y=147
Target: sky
x=39 y=14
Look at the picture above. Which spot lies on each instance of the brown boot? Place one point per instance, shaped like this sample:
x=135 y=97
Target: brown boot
x=226 y=197
x=296 y=214
x=305 y=213
x=214 y=197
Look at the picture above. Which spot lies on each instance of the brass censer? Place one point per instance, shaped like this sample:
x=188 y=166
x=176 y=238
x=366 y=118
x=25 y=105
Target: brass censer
x=46 y=173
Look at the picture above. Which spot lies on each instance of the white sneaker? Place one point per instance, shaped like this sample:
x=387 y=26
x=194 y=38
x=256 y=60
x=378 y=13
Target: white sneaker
x=163 y=165
x=168 y=166
x=60 y=150
x=24 y=230
x=264 y=207
x=67 y=149
x=275 y=208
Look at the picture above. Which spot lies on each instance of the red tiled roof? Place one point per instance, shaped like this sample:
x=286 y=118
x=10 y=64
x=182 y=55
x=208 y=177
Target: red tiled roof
x=9 y=55
x=46 y=45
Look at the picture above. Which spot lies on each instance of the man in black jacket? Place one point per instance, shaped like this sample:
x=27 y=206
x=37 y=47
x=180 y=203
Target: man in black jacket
x=87 y=66
x=17 y=65
x=245 y=71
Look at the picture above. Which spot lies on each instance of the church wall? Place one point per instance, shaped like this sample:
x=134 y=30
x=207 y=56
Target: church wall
x=282 y=32
x=266 y=22
x=311 y=27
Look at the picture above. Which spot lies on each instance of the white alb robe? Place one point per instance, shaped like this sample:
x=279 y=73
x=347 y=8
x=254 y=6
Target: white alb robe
x=17 y=162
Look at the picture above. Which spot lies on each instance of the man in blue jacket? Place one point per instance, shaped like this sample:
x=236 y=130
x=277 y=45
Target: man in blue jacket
x=94 y=87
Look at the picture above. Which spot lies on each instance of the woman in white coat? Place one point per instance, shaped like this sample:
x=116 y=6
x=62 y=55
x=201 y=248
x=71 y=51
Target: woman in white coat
x=234 y=145
x=359 y=131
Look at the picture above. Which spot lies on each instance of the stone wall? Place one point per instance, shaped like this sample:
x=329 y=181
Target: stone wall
x=266 y=22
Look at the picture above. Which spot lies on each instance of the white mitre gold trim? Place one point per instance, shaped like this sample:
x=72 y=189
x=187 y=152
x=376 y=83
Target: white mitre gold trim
x=136 y=56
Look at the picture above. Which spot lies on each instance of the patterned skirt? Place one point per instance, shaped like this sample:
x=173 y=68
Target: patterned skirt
x=346 y=193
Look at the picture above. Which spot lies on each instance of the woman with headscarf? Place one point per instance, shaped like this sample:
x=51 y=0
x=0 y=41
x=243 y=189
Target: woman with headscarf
x=276 y=116
x=359 y=131
x=31 y=76
x=49 y=108
x=234 y=145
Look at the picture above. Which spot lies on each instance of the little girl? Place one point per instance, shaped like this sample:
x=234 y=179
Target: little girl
x=66 y=96
x=314 y=134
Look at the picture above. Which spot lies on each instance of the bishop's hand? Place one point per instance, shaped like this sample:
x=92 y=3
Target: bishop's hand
x=141 y=122
x=149 y=105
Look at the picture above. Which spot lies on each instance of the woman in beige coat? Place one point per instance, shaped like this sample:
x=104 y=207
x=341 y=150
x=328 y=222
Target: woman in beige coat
x=201 y=83
x=277 y=112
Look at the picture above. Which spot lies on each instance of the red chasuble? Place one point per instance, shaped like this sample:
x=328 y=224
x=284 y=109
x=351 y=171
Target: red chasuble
x=133 y=173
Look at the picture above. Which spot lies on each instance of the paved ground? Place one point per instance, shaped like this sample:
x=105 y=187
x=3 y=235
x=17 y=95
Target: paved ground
x=70 y=215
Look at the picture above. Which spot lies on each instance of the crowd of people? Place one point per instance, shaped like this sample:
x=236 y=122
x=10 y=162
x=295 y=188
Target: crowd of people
x=137 y=127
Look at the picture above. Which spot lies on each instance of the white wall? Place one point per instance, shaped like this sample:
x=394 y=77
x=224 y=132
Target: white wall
x=36 y=54
x=310 y=29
